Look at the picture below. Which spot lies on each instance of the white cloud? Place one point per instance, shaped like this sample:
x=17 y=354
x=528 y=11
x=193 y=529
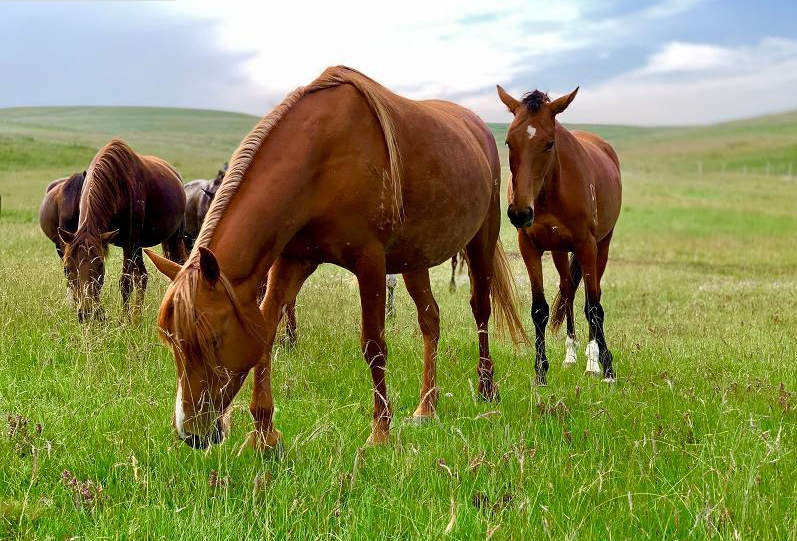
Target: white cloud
x=687 y=83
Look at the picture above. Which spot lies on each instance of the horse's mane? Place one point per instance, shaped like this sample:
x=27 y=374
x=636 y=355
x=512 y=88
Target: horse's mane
x=112 y=177
x=535 y=100
x=193 y=332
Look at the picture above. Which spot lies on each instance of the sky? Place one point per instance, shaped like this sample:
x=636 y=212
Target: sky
x=639 y=62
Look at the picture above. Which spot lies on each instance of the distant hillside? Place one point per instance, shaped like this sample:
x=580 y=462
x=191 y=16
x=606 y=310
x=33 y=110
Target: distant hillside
x=198 y=141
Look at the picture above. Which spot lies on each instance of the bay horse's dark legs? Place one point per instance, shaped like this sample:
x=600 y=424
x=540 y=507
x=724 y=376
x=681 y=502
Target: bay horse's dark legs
x=370 y=272
x=126 y=279
x=606 y=359
x=140 y=279
x=420 y=290
x=285 y=279
x=598 y=355
x=480 y=253
x=134 y=276
x=532 y=257
x=567 y=291
x=452 y=286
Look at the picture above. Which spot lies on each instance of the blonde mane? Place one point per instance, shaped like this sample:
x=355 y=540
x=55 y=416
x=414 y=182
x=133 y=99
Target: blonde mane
x=242 y=158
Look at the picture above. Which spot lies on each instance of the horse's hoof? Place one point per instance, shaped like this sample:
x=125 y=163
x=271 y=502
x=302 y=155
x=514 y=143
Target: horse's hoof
x=270 y=445
x=609 y=380
x=376 y=439
x=567 y=363
x=421 y=418
x=593 y=373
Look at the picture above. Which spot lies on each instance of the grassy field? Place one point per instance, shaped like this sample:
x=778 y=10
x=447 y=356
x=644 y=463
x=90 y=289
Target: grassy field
x=696 y=440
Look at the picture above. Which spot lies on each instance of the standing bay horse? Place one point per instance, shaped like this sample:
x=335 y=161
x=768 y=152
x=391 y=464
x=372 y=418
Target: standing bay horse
x=565 y=197
x=132 y=201
x=60 y=208
x=346 y=172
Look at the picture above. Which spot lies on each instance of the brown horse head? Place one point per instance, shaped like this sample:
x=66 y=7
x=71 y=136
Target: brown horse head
x=84 y=266
x=531 y=139
x=215 y=341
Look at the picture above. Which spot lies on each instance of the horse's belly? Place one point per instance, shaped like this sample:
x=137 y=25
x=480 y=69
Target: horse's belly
x=437 y=224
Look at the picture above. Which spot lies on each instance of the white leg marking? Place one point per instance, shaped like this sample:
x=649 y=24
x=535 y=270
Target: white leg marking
x=179 y=414
x=571 y=356
x=592 y=352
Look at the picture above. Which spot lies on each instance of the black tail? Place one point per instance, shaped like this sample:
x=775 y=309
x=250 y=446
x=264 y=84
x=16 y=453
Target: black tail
x=560 y=302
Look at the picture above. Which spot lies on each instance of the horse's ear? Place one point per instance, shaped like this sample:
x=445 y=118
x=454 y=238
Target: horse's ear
x=560 y=104
x=167 y=267
x=66 y=236
x=511 y=103
x=209 y=193
x=209 y=266
x=109 y=236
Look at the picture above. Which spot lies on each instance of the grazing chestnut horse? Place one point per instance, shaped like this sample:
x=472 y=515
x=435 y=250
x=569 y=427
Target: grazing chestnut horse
x=565 y=197
x=60 y=208
x=132 y=201
x=346 y=172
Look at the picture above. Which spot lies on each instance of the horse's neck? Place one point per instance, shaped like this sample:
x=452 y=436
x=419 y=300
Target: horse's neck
x=568 y=158
x=269 y=207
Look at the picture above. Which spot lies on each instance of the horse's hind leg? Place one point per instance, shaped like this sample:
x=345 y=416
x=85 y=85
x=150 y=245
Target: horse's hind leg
x=567 y=293
x=285 y=279
x=480 y=253
x=452 y=286
x=370 y=272
x=540 y=311
x=174 y=246
x=420 y=290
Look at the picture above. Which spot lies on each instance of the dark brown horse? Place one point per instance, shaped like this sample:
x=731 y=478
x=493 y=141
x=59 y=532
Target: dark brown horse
x=132 y=201
x=60 y=208
x=565 y=197
x=342 y=171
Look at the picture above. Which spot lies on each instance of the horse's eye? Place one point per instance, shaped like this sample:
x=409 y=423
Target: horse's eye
x=549 y=146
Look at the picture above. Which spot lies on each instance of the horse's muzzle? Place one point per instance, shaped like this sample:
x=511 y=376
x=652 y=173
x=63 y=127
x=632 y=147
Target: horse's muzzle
x=203 y=442
x=520 y=219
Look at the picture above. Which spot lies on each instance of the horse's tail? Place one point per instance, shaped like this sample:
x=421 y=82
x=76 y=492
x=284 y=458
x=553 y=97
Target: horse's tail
x=560 y=302
x=504 y=298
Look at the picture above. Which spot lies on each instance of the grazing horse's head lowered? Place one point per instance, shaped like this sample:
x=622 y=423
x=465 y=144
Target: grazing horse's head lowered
x=84 y=266
x=532 y=148
x=215 y=340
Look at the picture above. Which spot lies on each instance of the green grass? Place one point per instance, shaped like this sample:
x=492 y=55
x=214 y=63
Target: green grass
x=696 y=440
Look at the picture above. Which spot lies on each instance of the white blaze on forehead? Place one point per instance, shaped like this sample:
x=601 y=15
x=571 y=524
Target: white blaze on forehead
x=179 y=414
x=531 y=131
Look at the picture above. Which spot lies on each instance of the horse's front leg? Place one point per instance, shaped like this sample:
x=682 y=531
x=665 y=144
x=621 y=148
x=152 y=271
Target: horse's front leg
x=126 y=279
x=140 y=279
x=370 y=272
x=532 y=257
x=285 y=279
x=598 y=355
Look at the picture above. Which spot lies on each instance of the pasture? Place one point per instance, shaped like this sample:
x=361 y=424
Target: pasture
x=696 y=439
